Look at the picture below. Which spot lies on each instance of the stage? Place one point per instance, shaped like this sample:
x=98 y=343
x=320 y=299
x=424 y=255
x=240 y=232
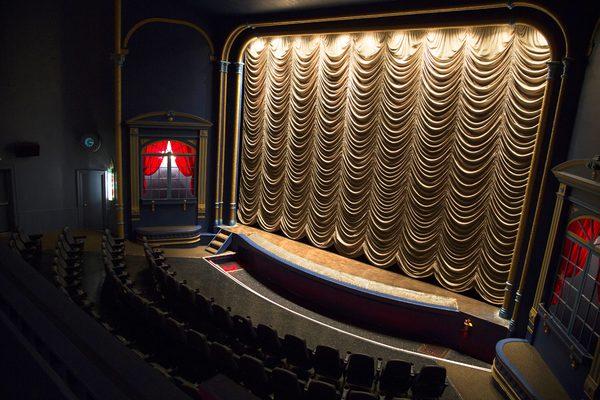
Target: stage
x=367 y=295
x=354 y=271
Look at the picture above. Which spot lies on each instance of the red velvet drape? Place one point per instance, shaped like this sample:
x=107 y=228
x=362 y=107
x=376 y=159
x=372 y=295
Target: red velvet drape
x=152 y=163
x=185 y=164
x=588 y=230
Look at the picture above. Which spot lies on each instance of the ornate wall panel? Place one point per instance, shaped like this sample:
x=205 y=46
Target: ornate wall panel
x=410 y=147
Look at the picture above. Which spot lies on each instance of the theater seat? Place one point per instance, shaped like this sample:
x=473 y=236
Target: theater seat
x=254 y=376
x=270 y=345
x=318 y=390
x=224 y=360
x=396 y=378
x=360 y=395
x=222 y=321
x=245 y=333
x=297 y=356
x=286 y=385
x=360 y=372
x=199 y=344
x=327 y=364
x=429 y=383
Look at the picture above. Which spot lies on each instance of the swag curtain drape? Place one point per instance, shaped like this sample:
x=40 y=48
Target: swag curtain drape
x=152 y=163
x=185 y=164
x=410 y=147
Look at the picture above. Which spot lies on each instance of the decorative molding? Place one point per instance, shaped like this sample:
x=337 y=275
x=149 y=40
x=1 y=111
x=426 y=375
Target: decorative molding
x=134 y=171
x=554 y=68
x=567 y=62
x=239 y=67
x=119 y=58
x=224 y=66
x=558 y=211
x=169 y=118
x=173 y=21
x=201 y=173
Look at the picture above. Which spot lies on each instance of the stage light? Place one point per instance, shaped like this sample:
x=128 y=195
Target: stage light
x=369 y=45
x=257 y=45
x=278 y=47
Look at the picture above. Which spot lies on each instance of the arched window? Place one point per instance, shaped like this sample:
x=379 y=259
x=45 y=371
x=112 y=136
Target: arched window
x=169 y=170
x=575 y=297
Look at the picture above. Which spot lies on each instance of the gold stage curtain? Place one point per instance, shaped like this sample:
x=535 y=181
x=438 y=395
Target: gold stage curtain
x=410 y=147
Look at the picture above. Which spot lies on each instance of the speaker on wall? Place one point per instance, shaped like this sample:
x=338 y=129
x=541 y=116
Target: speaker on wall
x=26 y=149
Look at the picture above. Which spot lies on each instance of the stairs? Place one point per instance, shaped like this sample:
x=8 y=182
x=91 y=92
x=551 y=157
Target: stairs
x=219 y=243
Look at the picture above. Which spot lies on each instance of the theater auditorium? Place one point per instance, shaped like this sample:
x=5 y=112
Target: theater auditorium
x=300 y=200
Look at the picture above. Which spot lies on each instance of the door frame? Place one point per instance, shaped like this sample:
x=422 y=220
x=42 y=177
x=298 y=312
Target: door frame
x=14 y=216
x=79 y=185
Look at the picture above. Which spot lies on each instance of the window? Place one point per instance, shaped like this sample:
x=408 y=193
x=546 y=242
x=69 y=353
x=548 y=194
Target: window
x=575 y=298
x=169 y=170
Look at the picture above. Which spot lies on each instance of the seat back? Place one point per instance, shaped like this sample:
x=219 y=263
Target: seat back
x=395 y=378
x=360 y=395
x=202 y=306
x=296 y=352
x=224 y=360
x=176 y=331
x=222 y=318
x=430 y=382
x=360 y=371
x=285 y=385
x=268 y=340
x=254 y=376
x=198 y=342
x=318 y=390
x=243 y=330
x=327 y=362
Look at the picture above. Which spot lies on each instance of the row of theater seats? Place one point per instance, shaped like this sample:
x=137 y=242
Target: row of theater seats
x=266 y=364
x=146 y=313
x=67 y=267
x=29 y=247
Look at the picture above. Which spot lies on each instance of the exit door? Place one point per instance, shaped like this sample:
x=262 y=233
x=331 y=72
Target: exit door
x=91 y=199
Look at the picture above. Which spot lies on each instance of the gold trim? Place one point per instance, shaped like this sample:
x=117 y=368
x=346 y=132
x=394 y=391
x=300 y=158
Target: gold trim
x=201 y=174
x=145 y=119
x=504 y=385
x=175 y=241
x=239 y=82
x=558 y=210
x=221 y=146
x=117 y=68
x=147 y=21
x=527 y=201
x=134 y=168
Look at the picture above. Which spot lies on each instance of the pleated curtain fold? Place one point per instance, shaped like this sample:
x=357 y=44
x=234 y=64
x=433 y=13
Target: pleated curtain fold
x=412 y=148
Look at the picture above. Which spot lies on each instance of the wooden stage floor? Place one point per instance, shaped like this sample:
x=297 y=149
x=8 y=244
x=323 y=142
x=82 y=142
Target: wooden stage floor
x=348 y=268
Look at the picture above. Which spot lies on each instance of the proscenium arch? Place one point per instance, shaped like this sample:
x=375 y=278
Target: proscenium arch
x=144 y=22
x=528 y=13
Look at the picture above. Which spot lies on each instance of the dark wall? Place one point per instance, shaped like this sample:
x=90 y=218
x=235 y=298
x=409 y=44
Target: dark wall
x=56 y=84
x=586 y=133
x=168 y=68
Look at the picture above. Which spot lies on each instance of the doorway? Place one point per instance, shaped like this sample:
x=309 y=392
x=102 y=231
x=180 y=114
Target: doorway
x=7 y=210
x=91 y=199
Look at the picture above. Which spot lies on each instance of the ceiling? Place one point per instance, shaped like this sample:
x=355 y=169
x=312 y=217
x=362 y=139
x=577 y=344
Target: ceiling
x=255 y=7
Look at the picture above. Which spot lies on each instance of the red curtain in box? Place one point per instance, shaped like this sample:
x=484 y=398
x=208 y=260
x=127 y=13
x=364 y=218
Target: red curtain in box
x=186 y=164
x=588 y=231
x=152 y=162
